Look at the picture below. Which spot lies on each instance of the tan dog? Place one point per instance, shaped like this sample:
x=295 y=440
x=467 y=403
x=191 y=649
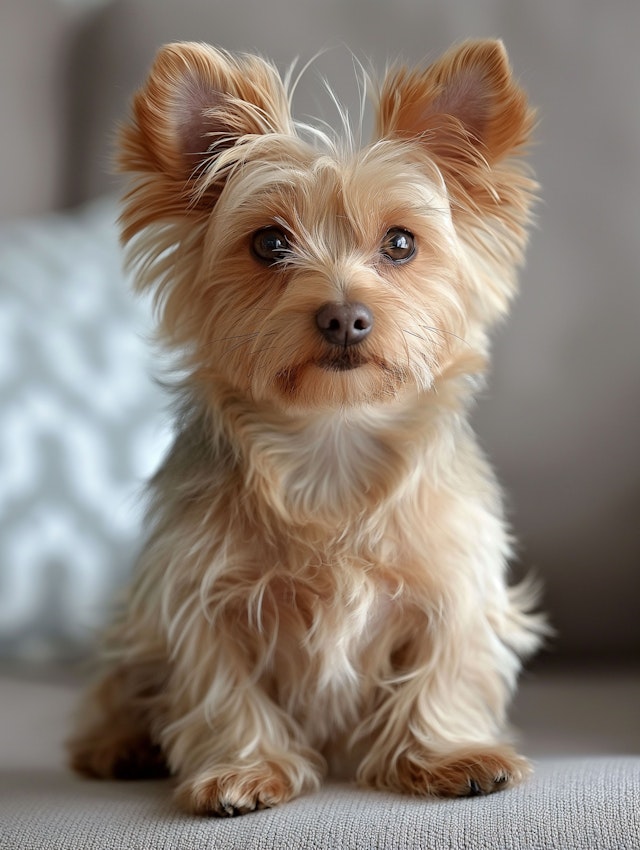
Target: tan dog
x=324 y=580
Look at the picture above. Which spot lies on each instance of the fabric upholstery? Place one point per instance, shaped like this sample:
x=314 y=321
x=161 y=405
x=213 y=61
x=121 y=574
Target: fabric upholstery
x=569 y=805
x=586 y=802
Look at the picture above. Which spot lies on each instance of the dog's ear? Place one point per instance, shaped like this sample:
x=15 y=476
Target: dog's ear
x=466 y=111
x=467 y=115
x=197 y=103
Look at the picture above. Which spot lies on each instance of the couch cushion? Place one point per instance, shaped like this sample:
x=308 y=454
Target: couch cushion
x=582 y=803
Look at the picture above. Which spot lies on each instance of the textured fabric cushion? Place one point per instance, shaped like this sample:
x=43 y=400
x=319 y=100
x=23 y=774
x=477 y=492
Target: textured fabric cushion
x=80 y=429
x=571 y=803
x=582 y=805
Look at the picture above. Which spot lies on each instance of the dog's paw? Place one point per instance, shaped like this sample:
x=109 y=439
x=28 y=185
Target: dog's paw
x=117 y=757
x=468 y=772
x=229 y=792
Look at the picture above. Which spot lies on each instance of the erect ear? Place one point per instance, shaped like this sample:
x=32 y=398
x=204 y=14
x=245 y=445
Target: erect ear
x=465 y=110
x=196 y=103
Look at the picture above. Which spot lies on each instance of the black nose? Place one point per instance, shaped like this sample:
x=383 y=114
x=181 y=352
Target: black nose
x=344 y=324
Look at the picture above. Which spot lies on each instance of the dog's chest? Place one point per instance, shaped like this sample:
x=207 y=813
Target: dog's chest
x=339 y=613
x=335 y=642
x=332 y=469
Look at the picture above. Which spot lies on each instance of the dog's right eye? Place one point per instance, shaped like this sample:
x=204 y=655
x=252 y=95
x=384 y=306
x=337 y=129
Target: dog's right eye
x=270 y=245
x=398 y=246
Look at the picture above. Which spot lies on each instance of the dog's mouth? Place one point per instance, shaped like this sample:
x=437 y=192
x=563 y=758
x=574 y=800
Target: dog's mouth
x=381 y=380
x=344 y=361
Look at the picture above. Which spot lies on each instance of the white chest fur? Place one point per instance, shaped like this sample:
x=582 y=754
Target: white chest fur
x=336 y=466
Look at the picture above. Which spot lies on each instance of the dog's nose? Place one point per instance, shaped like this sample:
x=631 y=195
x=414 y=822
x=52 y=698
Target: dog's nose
x=344 y=324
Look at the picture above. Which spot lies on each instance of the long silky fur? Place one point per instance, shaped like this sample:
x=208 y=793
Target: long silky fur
x=326 y=567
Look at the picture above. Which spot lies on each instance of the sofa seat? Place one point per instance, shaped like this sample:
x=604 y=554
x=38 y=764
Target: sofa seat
x=584 y=795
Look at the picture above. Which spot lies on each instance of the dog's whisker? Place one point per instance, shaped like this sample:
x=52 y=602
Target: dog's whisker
x=434 y=342
x=282 y=349
x=247 y=336
x=406 y=346
x=445 y=333
x=217 y=339
x=242 y=339
x=431 y=342
x=238 y=345
x=421 y=337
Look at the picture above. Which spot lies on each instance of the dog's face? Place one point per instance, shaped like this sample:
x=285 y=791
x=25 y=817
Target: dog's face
x=316 y=276
x=336 y=284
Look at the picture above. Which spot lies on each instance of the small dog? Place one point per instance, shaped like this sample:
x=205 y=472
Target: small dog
x=324 y=584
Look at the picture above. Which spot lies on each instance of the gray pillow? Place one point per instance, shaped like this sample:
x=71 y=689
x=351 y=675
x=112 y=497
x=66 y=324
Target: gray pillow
x=81 y=427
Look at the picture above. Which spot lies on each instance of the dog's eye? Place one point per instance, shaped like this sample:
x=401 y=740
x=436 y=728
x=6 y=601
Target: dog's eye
x=270 y=245
x=398 y=245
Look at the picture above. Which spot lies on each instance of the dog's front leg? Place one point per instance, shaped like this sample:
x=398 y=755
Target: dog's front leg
x=436 y=732
x=232 y=747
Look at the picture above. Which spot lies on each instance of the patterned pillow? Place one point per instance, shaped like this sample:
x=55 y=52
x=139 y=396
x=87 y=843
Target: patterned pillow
x=81 y=427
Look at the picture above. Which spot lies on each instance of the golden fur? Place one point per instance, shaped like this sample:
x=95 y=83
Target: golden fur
x=325 y=578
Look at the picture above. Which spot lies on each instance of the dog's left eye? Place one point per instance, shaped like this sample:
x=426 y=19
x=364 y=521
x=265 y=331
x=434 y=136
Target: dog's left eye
x=270 y=245
x=398 y=245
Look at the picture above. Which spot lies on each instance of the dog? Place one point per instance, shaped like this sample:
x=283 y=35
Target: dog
x=324 y=585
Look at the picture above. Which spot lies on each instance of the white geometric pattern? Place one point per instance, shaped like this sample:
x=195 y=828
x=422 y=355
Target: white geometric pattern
x=81 y=427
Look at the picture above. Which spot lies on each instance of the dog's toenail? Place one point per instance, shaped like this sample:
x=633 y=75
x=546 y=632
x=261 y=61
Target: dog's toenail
x=474 y=788
x=228 y=811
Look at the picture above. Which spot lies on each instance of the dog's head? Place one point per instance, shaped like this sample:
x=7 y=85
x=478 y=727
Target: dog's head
x=307 y=273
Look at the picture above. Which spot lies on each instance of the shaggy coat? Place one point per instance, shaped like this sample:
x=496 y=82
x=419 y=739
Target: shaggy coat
x=324 y=582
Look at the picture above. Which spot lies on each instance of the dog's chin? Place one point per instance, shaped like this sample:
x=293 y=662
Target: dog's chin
x=346 y=379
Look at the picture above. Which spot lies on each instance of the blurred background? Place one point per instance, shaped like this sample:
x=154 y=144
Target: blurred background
x=81 y=421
